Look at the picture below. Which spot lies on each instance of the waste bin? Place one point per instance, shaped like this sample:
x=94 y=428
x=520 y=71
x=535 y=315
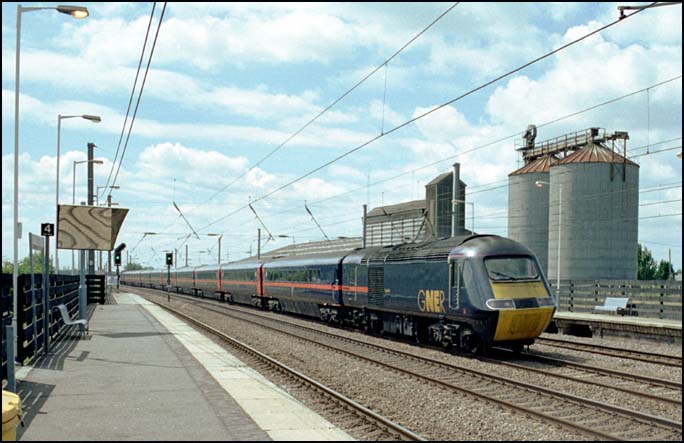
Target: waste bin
x=11 y=414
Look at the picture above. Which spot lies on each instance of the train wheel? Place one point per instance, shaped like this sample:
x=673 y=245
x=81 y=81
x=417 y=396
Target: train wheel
x=471 y=343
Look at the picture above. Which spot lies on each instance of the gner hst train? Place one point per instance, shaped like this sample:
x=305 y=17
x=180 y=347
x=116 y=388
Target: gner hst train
x=465 y=292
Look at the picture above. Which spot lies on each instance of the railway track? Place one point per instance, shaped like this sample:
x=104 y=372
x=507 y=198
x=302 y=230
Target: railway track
x=658 y=390
x=588 y=417
x=385 y=429
x=649 y=357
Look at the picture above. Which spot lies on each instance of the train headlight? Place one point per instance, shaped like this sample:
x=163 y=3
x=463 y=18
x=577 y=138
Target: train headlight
x=546 y=301
x=500 y=304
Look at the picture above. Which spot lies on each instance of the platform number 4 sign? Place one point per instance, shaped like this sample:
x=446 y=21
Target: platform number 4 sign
x=47 y=229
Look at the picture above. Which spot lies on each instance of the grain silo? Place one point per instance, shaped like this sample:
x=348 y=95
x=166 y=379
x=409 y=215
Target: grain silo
x=594 y=204
x=528 y=207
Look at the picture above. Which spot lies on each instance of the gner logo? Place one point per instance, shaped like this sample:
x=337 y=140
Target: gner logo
x=431 y=300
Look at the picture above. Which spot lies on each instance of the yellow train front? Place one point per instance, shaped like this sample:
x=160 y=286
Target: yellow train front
x=499 y=291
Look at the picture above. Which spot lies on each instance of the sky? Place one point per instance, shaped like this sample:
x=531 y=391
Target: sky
x=229 y=83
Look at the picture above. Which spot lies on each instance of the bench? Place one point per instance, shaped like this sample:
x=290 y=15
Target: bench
x=614 y=305
x=68 y=321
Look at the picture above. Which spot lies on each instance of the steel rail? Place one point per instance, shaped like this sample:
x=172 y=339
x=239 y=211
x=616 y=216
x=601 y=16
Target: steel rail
x=642 y=418
x=649 y=357
x=385 y=423
x=636 y=377
x=585 y=381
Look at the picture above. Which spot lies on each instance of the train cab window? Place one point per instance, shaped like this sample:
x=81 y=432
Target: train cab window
x=511 y=268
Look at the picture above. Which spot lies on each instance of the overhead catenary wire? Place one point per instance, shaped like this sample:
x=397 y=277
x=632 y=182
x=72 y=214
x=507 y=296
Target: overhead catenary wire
x=425 y=114
x=140 y=93
x=297 y=233
x=331 y=105
x=130 y=99
x=507 y=185
x=489 y=144
x=651 y=145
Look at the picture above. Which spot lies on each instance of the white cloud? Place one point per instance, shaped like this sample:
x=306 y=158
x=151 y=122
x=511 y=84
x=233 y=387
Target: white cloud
x=583 y=75
x=161 y=162
x=315 y=136
x=234 y=36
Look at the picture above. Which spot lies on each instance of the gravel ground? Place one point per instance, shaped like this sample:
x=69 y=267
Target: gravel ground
x=431 y=411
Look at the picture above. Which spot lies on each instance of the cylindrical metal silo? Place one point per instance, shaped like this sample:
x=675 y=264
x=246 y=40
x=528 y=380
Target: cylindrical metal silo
x=597 y=216
x=528 y=207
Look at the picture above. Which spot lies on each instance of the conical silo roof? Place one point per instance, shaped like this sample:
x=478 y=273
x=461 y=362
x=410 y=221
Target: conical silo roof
x=595 y=154
x=542 y=164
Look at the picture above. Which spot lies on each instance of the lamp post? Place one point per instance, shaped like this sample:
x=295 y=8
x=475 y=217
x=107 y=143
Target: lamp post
x=109 y=204
x=472 y=215
x=76 y=12
x=97 y=194
x=540 y=184
x=92 y=118
x=73 y=196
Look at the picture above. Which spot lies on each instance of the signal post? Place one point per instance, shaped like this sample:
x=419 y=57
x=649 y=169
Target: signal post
x=117 y=261
x=169 y=262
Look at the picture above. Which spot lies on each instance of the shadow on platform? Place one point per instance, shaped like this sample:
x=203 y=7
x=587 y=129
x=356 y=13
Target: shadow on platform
x=33 y=397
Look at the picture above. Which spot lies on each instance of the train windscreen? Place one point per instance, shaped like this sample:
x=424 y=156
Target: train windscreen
x=511 y=268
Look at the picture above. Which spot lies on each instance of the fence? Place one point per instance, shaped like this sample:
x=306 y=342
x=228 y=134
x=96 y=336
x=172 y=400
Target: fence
x=660 y=299
x=30 y=322
x=96 y=288
x=6 y=306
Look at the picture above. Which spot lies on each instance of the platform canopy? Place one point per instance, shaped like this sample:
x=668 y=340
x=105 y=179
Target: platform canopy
x=88 y=227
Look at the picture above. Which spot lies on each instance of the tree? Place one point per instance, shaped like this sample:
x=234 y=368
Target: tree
x=25 y=265
x=646 y=266
x=649 y=270
x=665 y=270
x=131 y=266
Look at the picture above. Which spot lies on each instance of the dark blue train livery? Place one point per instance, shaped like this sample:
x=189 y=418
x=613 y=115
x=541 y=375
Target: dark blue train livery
x=465 y=292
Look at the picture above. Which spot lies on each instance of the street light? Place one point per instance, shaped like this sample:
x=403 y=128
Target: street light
x=92 y=118
x=287 y=236
x=472 y=215
x=109 y=200
x=76 y=12
x=540 y=184
x=109 y=204
x=73 y=194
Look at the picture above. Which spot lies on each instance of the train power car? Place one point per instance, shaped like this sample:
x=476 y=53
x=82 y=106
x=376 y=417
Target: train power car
x=465 y=292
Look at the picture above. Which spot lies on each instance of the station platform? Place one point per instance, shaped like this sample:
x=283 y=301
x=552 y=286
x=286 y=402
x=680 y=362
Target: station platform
x=142 y=374
x=575 y=323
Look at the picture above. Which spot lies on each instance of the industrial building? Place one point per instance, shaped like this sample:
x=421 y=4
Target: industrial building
x=441 y=214
x=575 y=204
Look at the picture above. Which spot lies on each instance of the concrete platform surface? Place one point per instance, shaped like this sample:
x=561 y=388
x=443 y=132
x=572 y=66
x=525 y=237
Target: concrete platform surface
x=142 y=374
